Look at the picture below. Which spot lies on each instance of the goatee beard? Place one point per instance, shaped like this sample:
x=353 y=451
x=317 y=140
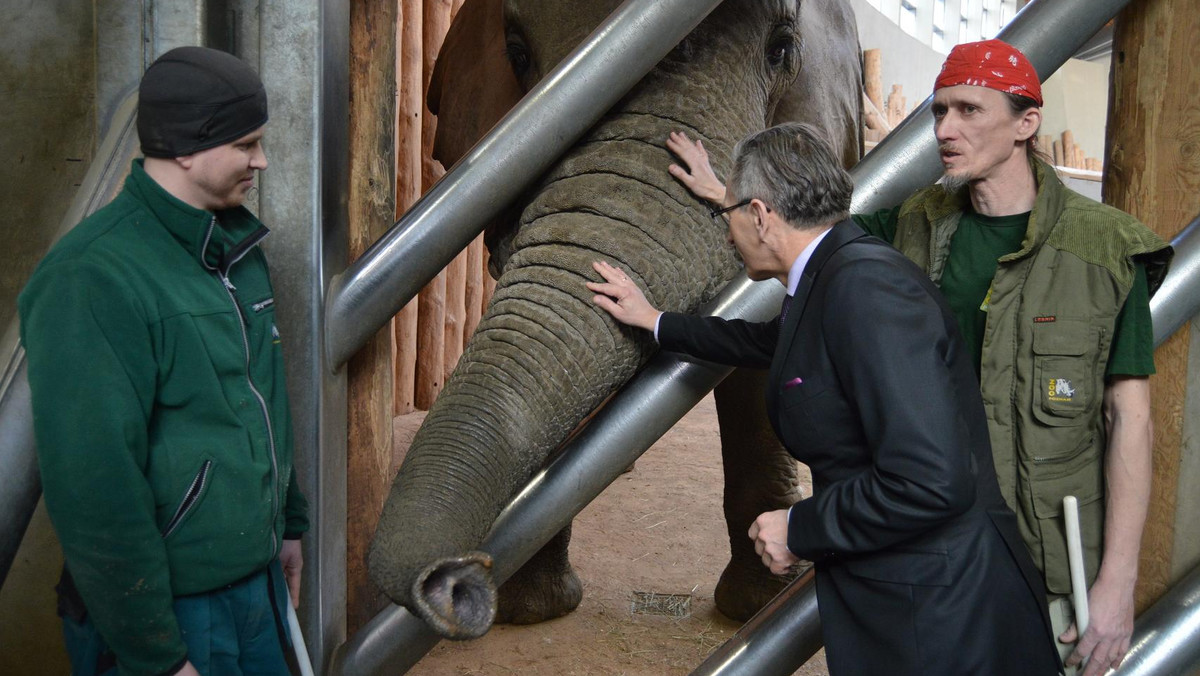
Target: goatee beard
x=952 y=184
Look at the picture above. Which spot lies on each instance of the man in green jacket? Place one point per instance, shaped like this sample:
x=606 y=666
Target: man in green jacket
x=163 y=431
x=1051 y=292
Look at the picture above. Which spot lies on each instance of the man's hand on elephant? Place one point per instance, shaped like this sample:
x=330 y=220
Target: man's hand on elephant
x=621 y=298
x=699 y=176
x=769 y=532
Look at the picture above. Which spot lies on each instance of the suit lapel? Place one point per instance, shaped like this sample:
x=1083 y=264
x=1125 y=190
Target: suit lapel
x=842 y=234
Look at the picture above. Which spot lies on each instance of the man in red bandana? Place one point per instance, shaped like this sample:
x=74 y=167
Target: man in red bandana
x=1051 y=292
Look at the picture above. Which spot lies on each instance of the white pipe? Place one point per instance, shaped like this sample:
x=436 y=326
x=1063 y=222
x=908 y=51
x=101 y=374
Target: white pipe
x=298 y=641
x=1075 y=560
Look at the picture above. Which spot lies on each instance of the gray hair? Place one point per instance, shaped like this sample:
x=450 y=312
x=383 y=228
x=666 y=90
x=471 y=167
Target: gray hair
x=791 y=167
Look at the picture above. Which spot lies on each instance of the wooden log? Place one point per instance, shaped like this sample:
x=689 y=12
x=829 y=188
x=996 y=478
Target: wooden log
x=873 y=76
x=1079 y=158
x=431 y=313
x=1068 y=142
x=411 y=108
x=895 y=106
x=1058 y=154
x=473 y=298
x=489 y=283
x=1153 y=172
x=372 y=208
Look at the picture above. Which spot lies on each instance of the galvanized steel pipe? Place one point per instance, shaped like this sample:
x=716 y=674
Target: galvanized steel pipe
x=1166 y=638
x=573 y=97
x=1178 y=299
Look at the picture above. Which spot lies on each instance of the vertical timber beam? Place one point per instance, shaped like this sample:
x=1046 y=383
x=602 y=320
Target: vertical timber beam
x=304 y=62
x=1153 y=172
x=410 y=109
x=372 y=208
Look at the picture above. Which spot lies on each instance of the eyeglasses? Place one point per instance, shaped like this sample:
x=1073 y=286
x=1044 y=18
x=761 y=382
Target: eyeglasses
x=739 y=205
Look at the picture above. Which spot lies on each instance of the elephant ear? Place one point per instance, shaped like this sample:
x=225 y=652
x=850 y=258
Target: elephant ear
x=472 y=87
x=827 y=92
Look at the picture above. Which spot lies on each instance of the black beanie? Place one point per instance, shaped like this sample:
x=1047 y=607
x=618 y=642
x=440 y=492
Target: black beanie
x=195 y=98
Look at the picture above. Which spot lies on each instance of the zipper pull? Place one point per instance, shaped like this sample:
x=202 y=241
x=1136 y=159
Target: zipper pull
x=228 y=284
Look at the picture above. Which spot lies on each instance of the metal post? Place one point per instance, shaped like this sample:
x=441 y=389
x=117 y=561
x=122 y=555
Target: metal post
x=769 y=642
x=1166 y=638
x=522 y=146
x=1178 y=299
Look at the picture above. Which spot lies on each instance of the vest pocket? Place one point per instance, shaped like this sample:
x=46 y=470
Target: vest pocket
x=1078 y=473
x=1064 y=355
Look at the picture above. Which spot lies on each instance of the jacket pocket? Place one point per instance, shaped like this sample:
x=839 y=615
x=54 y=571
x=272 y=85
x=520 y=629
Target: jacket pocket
x=914 y=567
x=1079 y=473
x=191 y=499
x=1065 y=355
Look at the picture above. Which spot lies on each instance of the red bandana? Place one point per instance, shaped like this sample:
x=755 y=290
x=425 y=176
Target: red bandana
x=992 y=64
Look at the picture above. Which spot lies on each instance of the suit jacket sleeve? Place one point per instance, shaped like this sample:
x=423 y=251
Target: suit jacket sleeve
x=890 y=347
x=734 y=342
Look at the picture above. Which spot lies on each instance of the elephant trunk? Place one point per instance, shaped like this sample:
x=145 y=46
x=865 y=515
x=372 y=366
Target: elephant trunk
x=542 y=358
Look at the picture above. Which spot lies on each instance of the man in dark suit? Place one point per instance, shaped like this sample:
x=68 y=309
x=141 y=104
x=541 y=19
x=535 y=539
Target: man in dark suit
x=920 y=569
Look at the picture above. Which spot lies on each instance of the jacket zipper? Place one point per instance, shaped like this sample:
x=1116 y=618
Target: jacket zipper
x=189 y=498
x=262 y=305
x=262 y=402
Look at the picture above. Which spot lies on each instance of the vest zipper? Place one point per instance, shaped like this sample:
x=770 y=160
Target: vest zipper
x=189 y=499
x=223 y=276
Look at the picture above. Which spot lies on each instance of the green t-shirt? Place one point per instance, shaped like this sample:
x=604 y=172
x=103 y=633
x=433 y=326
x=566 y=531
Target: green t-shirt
x=977 y=244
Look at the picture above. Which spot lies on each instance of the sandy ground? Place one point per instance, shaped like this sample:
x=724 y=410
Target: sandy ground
x=656 y=529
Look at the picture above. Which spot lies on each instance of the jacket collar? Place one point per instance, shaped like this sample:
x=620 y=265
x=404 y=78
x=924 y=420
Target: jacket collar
x=840 y=235
x=216 y=240
x=1047 y=207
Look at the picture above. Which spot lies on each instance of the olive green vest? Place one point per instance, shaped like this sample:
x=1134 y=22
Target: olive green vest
x=1051 y=312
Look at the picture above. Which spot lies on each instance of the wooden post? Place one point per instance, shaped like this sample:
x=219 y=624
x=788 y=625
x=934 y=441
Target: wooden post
x=1068 y=145
x=873 y=76
x=895 y=106
x=431 y=327
x=372 y=207
x=1058 y=154
x=408 y=185
x=1153 y=172
x=1045 y=144
x=456 y=311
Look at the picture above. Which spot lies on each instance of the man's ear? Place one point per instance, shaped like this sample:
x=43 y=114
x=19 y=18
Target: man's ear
x=1031 y=121
x=762 y=224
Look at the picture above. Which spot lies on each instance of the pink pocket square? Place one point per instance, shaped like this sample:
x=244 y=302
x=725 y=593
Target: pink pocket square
x=792 y=383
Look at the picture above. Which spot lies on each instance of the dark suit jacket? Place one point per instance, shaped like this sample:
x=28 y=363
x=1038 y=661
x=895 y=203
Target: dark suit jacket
x=920 y=569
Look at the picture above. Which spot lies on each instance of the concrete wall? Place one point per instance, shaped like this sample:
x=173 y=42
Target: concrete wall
x=1076 y=98
x=47 y=94
x=907 y=61
x=47 y=90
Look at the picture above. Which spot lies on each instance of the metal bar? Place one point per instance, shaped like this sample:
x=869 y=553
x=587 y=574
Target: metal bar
x=519 y=149
x=643 y=411
x=1178 y=299
x=1166 y=638
x=769 y=642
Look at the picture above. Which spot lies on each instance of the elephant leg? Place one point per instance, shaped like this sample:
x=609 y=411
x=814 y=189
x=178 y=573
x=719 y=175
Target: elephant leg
x=760 y=476
x=544 y=588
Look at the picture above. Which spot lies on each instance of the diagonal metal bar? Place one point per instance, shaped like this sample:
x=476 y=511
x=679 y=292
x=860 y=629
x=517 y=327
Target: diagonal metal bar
x=519 y=149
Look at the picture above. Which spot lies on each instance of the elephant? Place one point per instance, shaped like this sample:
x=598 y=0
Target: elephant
x=544 y=357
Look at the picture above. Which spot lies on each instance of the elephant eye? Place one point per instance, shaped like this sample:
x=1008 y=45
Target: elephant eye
x=517 y=54
x=780 y=48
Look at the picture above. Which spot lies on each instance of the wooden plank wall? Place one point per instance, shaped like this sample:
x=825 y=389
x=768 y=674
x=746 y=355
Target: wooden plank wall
x=394 y=44
x=372 y=207
x=1153 y=172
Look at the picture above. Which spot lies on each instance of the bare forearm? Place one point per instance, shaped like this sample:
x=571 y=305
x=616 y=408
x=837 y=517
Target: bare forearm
x=1127 y=471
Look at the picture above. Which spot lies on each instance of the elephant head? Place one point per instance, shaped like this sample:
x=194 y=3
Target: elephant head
x=543 y=356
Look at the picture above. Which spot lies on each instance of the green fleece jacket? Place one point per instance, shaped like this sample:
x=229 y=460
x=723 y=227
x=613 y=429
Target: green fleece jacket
x=162 y=424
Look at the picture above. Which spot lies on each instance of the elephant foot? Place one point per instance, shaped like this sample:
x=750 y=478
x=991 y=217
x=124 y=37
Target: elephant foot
x=746 y=586
x=536 y=596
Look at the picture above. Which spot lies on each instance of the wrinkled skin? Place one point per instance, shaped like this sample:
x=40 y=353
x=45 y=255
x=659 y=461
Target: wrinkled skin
x=544 y=356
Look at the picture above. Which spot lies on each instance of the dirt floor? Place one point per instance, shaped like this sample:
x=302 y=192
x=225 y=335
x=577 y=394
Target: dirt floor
x=656 y=529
